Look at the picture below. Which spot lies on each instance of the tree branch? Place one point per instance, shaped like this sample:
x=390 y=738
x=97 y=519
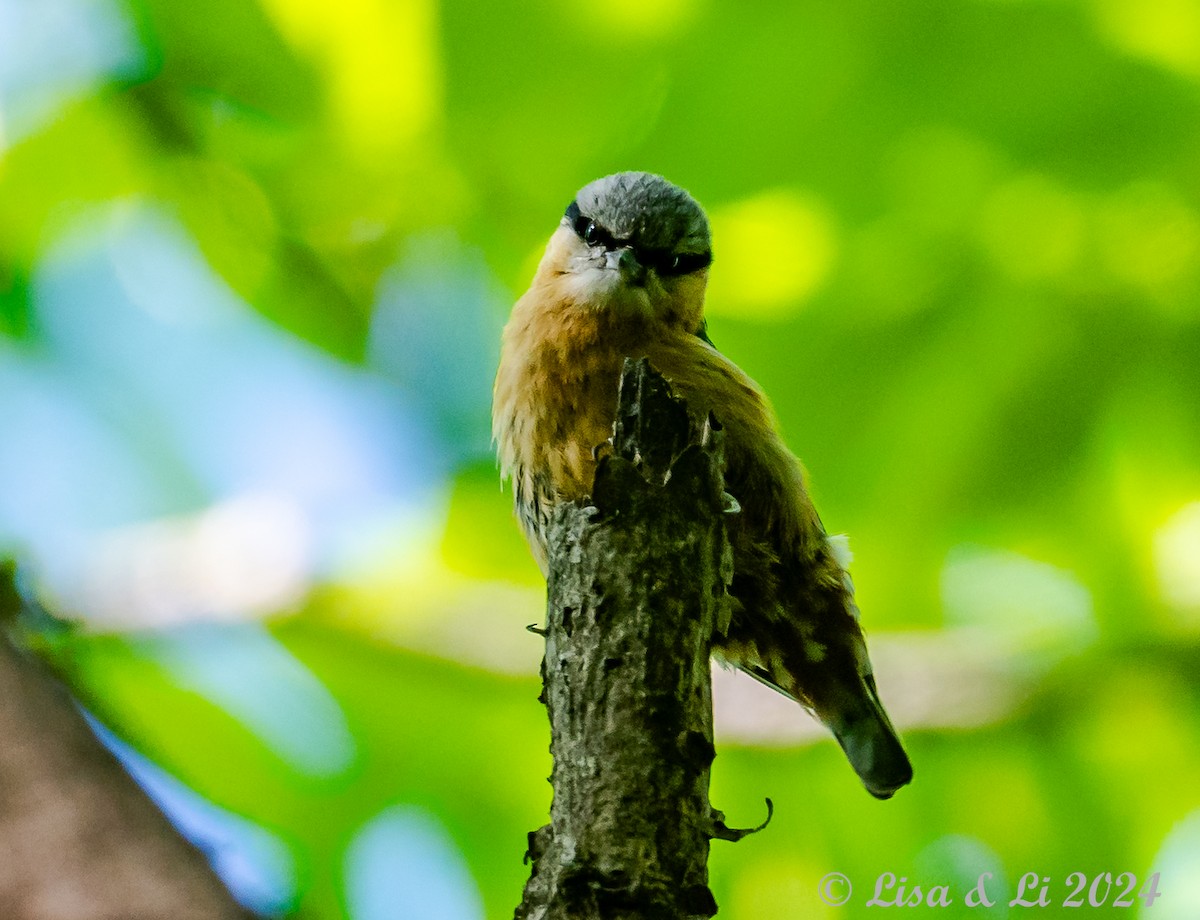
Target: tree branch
x=636 y=588
x=79 y=838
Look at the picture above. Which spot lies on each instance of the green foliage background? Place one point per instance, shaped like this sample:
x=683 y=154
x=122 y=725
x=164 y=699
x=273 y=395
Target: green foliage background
x=957 y=242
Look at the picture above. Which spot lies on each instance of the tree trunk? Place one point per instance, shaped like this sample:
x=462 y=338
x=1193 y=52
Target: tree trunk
x=636 y=588
x=79 y=840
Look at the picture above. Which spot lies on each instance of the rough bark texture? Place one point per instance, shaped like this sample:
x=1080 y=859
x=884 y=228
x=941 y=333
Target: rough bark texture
x=79 y=840
x=636 y=587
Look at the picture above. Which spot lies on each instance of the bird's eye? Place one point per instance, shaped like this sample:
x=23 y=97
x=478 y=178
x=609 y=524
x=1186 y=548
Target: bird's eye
x=589 y=231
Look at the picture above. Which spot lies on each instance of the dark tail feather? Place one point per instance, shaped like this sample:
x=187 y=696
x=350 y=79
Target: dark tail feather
x=866 y=735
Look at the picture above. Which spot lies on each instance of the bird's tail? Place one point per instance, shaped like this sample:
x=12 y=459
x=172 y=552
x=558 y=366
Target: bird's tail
x=851 y=709
x=851 y=706
x=863 y=729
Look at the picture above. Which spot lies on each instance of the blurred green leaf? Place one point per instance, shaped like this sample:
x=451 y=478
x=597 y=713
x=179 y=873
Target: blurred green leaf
x=16 y=318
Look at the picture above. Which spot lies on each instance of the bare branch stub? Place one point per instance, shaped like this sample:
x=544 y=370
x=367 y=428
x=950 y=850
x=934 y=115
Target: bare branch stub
x=637 y=582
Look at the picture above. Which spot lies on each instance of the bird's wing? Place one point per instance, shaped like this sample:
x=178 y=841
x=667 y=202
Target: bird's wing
x=761 y=675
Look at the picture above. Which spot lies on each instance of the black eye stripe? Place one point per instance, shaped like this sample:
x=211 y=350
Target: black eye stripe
x=665 y=262
x=683 y=263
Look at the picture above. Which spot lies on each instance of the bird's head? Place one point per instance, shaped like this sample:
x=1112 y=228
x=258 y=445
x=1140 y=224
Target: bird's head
x=635 y=245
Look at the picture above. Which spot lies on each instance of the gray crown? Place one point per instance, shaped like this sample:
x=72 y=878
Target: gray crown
x=647 y=210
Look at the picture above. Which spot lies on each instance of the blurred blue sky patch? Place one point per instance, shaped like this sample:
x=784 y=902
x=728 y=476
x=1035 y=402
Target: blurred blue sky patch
x=52 y=51
x=180 y=397
x=402 y=863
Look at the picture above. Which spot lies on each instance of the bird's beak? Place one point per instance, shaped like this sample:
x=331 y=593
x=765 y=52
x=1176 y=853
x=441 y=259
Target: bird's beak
x=625 y=260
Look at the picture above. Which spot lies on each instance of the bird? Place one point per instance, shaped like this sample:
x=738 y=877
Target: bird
x=623 y=275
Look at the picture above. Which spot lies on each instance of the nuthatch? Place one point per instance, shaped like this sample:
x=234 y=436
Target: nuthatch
x=624 y=276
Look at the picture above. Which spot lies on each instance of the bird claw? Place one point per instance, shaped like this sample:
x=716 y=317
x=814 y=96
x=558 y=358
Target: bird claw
x=721 y=831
